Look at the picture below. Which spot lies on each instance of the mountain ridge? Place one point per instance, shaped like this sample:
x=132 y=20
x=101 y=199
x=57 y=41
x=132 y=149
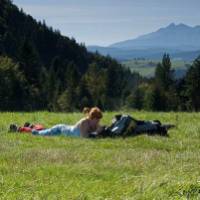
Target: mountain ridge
x=172 y=39
x=171 y=36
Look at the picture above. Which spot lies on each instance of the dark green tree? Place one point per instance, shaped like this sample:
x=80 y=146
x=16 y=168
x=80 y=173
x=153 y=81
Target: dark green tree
x=193 y=85
x=95 y=80
x=83 y=95
x=29 y=62
x=135 y=100
x=154 y=99
x=52 y=88
x=164 y=75
x=165 y=82
x=160 y=76
x=13 y=90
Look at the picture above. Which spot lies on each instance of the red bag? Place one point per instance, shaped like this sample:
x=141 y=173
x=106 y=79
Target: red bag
x=37 y=127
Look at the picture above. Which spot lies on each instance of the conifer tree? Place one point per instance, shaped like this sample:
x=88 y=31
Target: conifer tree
x=193 y=85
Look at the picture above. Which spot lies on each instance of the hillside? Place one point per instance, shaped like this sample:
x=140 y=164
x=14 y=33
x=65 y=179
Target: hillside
x=17 y=27
x=143 y=167
x=44 y=70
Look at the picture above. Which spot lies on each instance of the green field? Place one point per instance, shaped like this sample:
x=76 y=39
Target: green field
x=142 y=167
x=147 y=67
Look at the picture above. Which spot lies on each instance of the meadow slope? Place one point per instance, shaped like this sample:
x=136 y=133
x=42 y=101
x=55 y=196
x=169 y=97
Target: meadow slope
x=142 y=167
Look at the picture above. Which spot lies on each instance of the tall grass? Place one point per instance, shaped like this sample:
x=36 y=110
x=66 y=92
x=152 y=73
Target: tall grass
x=142 y=167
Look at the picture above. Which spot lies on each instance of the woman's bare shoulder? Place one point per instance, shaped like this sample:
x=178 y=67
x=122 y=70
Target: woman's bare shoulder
x=82 y=121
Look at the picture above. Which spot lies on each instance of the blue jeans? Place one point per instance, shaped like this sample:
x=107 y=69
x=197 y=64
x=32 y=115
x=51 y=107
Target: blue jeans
x=60 y=129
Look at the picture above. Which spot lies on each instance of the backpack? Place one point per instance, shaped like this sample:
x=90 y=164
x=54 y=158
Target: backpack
x=122 y=125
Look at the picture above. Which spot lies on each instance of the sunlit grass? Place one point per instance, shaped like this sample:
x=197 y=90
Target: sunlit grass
x=142 y=167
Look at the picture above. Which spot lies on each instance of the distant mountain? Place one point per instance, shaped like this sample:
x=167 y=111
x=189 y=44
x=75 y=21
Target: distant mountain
x=180 y=41
x=179 y=36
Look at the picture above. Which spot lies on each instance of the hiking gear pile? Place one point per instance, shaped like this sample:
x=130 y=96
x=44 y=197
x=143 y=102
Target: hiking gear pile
x=125 y=125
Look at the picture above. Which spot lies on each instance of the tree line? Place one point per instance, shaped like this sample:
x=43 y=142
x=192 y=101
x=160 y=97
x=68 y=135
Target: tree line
x=166 y=93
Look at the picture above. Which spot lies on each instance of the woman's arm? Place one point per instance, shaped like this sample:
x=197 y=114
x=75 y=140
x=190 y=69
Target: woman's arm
x=84 y=129
x=100 y=129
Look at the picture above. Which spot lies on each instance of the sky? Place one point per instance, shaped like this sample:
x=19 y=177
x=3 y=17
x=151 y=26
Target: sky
x=104 y=22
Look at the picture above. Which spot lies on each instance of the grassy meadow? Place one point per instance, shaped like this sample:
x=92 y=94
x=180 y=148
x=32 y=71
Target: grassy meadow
x=147 y=67
x=142 y=167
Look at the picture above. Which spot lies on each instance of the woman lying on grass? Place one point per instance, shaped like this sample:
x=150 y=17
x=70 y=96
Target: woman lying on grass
x=83 y=128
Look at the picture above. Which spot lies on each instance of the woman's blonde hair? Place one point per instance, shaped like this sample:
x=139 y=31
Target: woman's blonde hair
x=86 y=110
x=95 y=112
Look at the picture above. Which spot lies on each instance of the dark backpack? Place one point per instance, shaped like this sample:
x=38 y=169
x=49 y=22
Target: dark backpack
x=122 y=125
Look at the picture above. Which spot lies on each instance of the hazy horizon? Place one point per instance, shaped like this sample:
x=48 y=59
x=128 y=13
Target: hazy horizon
x=109 y=21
